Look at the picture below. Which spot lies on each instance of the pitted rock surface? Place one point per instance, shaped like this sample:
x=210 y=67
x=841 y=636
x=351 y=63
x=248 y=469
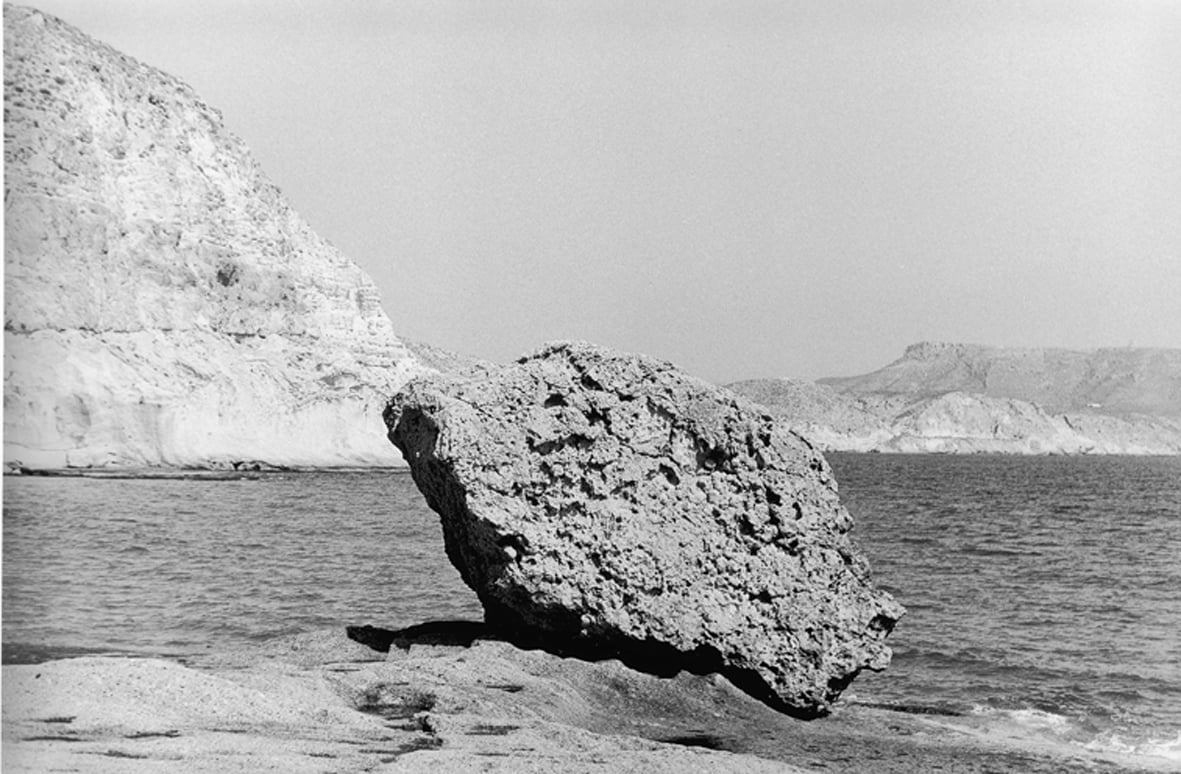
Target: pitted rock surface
x=608 y=505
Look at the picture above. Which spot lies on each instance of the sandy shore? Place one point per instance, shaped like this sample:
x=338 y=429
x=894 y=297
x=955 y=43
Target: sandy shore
x=442 y=701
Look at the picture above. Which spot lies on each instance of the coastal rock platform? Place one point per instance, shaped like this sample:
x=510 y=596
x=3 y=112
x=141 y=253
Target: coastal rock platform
x=448 y=698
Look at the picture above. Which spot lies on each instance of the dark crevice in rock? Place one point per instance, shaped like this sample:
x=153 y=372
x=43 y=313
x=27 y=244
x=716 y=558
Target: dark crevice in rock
x=712 y=458
x=670 y=475
x=708 y=741
x=575 y=440
x=882 y=623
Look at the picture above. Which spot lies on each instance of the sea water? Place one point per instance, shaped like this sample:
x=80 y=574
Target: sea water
x=1044 y=594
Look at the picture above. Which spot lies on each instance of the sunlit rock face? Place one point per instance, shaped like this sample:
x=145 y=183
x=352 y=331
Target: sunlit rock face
x=610 y=506
x=164 y=303
x=960 y=398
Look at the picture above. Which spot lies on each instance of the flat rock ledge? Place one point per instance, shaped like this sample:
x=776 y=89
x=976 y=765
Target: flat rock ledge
x=454 y=701
x=607 y=505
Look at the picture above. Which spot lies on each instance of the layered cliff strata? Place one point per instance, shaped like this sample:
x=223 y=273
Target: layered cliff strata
x=164 y=303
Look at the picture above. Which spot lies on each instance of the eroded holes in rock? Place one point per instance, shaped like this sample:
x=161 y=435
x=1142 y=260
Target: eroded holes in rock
x=575 y=440
x=596 y=417
x=590 y=383
x=670 y=475
x=624 y=488
x=514 y=545
x=555 y=400
x=883 y=623
x=773 y=497
x=711 y=458
x=227 y=274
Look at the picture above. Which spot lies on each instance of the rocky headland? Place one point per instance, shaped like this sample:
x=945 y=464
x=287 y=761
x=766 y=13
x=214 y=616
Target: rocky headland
x=960 y=398
x=164 y=304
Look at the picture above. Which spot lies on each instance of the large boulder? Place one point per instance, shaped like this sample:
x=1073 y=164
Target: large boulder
x=608 y=505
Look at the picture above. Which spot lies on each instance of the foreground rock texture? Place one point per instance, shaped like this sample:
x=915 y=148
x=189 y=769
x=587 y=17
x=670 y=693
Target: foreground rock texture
x=317 y=702
x=607 y=504
x=964 y=398
x=164 y=303
x=453 y=710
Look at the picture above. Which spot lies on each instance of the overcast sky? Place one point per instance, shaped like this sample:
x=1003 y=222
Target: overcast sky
x=744 y=188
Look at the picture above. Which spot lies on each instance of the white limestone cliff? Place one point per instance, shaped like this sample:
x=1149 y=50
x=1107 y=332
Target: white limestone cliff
x=164 y=304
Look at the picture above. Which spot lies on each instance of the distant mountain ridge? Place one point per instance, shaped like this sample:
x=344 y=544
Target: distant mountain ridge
x=1118 y=381
x=965 y=398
